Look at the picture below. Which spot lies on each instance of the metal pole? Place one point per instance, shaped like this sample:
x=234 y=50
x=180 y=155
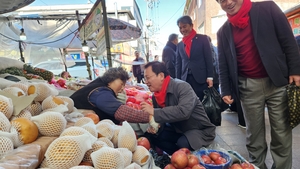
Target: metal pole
x=21 y=51
x=105 y=22
x=88 y=65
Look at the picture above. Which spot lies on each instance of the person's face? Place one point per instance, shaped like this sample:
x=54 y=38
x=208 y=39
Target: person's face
x=137 y=54
x=117 y=86
x=175 y=41
x=231 y=7
x=185 y=29
x=153 y=81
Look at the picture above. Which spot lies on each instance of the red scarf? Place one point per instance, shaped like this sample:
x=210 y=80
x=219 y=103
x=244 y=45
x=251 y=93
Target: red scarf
x=160 y=96
x=187 y=40
x=241 y=18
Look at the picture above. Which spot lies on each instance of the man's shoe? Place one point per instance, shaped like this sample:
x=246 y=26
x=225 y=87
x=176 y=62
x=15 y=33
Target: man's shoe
x=241 y=126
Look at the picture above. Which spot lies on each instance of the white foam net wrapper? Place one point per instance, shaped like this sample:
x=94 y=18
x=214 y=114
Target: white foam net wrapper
x=35 y=108
x=105 y=129
x=83 y=120
x=108 y=121
x=114 y=139
x=4 y=123
x=6 y=106
x=13 y=135
x=82 y=167
x=91 y=128
x=107 y=158
x=49 y=102
x=23 y=114
x=50 y=123
x=73 y=131
x=6 y=145
x=70 y=102
x=42 y=90
x=96 y=146
x=66 y=152
x=22 y=86
x=141 y=155
x=107 y=141
x=127 y=155
x=14 y=91
x=126 y=137
x=133 y=166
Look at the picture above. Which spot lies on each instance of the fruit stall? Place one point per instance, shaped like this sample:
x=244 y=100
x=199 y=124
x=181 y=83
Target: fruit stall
x=40 y=128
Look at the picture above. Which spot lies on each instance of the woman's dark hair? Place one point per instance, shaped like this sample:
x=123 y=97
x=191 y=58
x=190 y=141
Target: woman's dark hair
x=185 y=20
x=115 y=73
x=158 y=67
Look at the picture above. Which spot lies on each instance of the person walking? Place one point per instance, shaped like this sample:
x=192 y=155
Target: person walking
x=169 y=54
x=193 y=62
x=137 y=69
x=258 y=57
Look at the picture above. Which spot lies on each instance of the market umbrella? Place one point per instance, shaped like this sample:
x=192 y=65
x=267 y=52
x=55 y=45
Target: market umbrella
x=122 y=31
x=12 y=5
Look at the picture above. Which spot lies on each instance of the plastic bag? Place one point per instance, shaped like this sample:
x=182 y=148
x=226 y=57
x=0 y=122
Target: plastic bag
x=213 y=105
x=293 y=93
x=23 y=157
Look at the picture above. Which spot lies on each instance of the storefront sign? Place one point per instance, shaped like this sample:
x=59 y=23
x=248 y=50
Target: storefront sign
x=92 y=23
x=295 y=24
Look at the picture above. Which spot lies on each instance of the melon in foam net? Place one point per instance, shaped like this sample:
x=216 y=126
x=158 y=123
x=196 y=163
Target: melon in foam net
x=50 y=123
x=6 y=106
x=67 y=151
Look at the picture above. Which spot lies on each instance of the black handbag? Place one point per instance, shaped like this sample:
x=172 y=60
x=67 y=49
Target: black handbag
x=293 y=94
x=213 y=105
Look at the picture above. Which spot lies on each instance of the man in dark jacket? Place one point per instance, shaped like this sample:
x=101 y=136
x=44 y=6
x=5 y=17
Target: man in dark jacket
x=184 y=122
x=258 y=57
x=169 y=53
x=193 y=61
x=137 y=67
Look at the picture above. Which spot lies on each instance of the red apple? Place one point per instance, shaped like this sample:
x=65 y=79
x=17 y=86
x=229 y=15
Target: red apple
x=214 y=155
x=179 y=159
x=246 y=165
x=236 y=166
x=198 y=166
x=193 y=160
x=206 y=159
x=169 y=166
x=143 y=141
x=186 y=150
x=220 y=160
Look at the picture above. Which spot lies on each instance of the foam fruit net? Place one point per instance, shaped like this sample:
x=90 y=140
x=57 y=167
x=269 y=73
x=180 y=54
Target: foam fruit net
x=6 y=145
x=66 y=152
x=127 y=138
x=105 y=129
x=107 y=158
x=6 y=106
x=50 y=123
x=4 y=123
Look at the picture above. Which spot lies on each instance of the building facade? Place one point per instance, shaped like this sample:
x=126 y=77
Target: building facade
x=208 y=16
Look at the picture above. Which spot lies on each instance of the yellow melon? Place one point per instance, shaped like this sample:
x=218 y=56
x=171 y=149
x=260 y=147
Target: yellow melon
x=27 y=130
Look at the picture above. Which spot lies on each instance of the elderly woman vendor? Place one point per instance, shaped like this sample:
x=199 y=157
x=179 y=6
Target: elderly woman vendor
x=101 y=96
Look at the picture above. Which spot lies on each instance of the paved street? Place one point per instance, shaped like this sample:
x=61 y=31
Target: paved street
x=232 y=137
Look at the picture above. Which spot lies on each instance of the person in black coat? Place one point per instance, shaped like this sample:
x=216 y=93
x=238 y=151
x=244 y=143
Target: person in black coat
x=169 y=54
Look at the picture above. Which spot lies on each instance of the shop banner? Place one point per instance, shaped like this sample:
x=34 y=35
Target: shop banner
x=91 y=23
x=295 y=24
